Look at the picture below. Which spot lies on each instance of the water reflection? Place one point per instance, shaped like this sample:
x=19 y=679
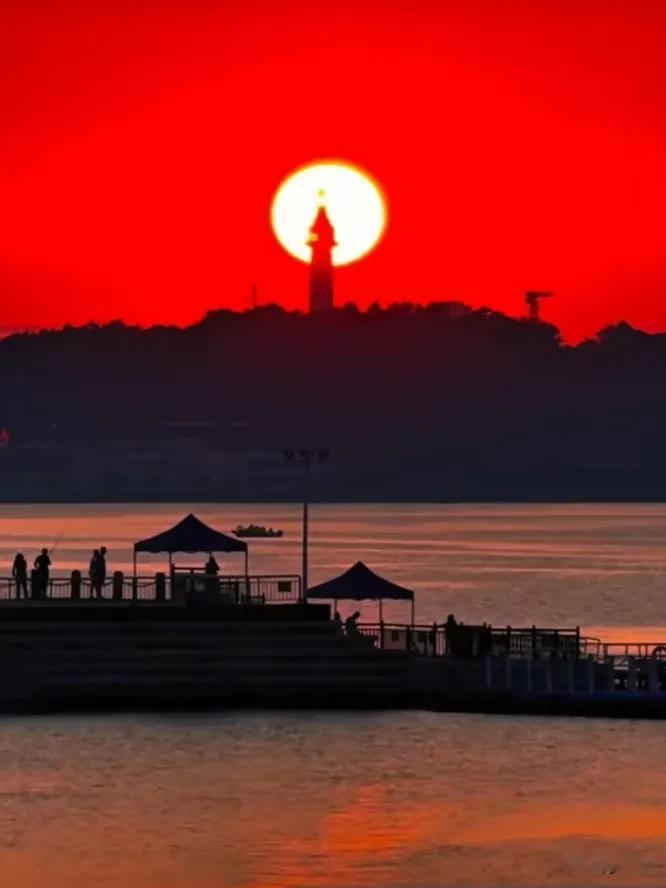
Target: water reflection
x=321 y=801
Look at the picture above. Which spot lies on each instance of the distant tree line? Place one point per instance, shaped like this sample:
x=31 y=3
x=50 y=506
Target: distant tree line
x=416 y=402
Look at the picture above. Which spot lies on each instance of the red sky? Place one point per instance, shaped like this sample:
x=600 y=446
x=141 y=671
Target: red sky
x=520 y=145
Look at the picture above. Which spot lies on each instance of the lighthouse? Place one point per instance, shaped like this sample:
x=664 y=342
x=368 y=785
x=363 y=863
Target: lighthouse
x=321 y=240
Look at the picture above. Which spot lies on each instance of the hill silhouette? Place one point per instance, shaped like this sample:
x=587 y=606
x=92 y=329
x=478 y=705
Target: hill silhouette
x=431 y=403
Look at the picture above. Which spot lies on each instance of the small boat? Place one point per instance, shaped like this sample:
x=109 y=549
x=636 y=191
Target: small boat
x=256 y=530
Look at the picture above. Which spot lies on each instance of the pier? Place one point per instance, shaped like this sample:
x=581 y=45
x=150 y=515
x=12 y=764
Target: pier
x=190 y=640
x=535 y=670
x=193 y=637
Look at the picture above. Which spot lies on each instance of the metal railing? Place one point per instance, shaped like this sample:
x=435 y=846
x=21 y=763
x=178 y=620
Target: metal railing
x=252 y=589
x=478 y=641
x=419 y=638
x=636 y=649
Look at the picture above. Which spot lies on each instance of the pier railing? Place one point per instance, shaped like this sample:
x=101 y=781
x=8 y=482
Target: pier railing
x=119 y=587
x=535 y=660
x=518 y=642
x=477 y=641
x=622 y=650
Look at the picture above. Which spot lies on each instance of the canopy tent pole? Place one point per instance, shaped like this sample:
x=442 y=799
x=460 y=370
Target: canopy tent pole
x=247 y=575
x=134 y=590
x=171 y=575
x=306 y=496
x=412 y=612
x=381 y=623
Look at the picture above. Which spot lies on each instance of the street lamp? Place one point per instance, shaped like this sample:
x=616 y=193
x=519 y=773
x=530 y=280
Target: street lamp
x=306 y=458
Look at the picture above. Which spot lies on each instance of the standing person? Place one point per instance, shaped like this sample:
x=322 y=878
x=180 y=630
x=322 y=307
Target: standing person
x=42 y=567
x=20 y=574
x=93 y=572
x=211 y=571
x=101 y=573
x=212 y=568
x=451 y=634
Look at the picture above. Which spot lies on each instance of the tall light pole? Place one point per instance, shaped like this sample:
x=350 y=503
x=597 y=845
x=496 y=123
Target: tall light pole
x=305 y=458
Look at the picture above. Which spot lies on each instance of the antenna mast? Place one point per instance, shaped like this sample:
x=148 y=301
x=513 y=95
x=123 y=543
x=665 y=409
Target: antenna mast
x=533 y=299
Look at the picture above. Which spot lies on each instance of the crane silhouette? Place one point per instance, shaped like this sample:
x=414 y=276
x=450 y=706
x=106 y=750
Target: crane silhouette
x=533 y=299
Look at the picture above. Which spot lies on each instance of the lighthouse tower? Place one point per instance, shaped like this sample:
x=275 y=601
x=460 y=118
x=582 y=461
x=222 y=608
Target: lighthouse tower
x=321 y=240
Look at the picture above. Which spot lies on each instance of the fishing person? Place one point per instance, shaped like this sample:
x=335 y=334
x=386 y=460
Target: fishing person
x=20 y=574
x=42 y=567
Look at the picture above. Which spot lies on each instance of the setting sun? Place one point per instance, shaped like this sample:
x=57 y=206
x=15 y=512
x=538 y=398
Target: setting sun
x=354 y=203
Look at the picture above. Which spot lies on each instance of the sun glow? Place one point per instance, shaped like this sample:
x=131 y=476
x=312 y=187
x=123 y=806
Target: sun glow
x=354 y=202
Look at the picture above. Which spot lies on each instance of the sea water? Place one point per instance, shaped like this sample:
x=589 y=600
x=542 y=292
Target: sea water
x=350 y=800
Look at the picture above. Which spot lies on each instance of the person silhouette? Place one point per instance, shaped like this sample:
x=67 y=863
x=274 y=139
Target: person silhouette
x=94 y=573
x=351 y=625
x=42 y=567
x=212 y=568
x=20 y=574
x=101 y=569
x=450 y=634
x=211 y=571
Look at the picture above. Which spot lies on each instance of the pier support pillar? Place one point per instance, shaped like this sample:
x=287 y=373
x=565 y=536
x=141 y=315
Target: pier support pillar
x=653 y=677
x=75 y=584
x=528 y=670
x=631 y=677
x=160 y=587
x=610 y=674
x=489 y=673
x=118 y=580
x=507 y=668
x=590 y=675
x=549 y=676
x=570 y=675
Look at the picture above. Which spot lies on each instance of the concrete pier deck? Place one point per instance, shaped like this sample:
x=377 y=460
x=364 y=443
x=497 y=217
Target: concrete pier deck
x=64 y=654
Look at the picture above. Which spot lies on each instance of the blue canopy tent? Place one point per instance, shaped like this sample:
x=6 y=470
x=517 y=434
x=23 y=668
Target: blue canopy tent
x=359 y=583
x=190 y=536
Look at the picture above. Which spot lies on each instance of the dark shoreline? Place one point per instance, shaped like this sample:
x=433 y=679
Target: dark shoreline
x=609 y=707
x=397 y=501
